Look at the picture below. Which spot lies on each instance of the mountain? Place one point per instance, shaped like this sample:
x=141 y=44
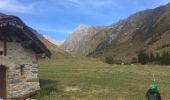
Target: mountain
x=1 y=14
x=55 y=50
x=85 y=39
x=147 y=30
x=58 y=43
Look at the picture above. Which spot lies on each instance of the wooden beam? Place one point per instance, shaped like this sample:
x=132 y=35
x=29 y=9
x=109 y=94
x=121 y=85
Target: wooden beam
x=27 y=43
x=8 y=38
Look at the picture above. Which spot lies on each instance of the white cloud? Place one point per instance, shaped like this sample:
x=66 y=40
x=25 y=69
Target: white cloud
x=16 y=6
x=87 y=4
x=105 y=3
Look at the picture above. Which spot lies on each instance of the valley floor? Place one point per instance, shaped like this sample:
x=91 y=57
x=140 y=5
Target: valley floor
x=90 y=79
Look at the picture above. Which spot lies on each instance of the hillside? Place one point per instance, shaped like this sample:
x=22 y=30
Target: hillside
x=146 y=30
x=55 y=42
x=84 y=40
x=55 y=50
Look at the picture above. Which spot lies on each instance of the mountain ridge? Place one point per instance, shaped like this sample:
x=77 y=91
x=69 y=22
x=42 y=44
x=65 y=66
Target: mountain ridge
x=79 y=38
x=145 y=30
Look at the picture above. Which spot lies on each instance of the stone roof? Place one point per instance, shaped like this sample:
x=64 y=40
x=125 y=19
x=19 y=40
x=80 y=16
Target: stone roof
x=12 y=24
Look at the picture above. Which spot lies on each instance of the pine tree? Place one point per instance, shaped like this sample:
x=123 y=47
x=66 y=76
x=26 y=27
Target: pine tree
x=157 y=58
x=165 y=59
x=143 y=57
x=152 y=57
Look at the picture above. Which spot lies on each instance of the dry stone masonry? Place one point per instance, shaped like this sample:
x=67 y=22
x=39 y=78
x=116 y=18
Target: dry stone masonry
x=19 y=48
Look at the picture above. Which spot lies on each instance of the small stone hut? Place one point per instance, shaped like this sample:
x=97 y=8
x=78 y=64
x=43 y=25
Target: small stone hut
x=19 y=50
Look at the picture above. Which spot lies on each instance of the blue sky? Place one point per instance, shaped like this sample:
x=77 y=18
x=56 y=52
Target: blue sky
x=58 y=18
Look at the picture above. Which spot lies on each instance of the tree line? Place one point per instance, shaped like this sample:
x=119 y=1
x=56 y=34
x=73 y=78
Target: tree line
x=157 y=58
x=145 y=58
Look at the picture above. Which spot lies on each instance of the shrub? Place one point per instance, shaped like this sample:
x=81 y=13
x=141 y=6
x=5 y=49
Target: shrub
x=109 y=60
x=134 y=60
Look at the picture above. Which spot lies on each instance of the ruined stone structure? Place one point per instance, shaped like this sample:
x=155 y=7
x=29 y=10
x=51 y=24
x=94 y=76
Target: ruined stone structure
x=19 y=50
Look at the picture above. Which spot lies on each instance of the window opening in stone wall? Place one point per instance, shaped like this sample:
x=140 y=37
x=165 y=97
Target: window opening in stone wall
x=22 y=70
x=1 y=53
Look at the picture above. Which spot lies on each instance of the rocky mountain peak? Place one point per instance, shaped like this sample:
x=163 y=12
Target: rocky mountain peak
x=148 y=30
x=80 y=28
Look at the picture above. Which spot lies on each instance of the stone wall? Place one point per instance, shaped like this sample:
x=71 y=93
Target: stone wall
x=22 y=70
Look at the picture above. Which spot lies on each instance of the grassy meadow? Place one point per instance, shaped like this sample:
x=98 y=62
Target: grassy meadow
x=72 y=78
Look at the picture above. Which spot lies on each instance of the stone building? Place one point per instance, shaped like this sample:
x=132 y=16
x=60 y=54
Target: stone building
x=19 y=50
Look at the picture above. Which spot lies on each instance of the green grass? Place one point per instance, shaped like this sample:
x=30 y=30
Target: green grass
x=89 y=79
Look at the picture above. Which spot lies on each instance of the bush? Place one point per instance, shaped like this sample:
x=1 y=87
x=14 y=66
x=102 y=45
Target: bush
x=134 y=60
x=109 y=60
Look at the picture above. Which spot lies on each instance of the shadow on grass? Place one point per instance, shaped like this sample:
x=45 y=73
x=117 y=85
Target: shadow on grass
x=49 y=87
